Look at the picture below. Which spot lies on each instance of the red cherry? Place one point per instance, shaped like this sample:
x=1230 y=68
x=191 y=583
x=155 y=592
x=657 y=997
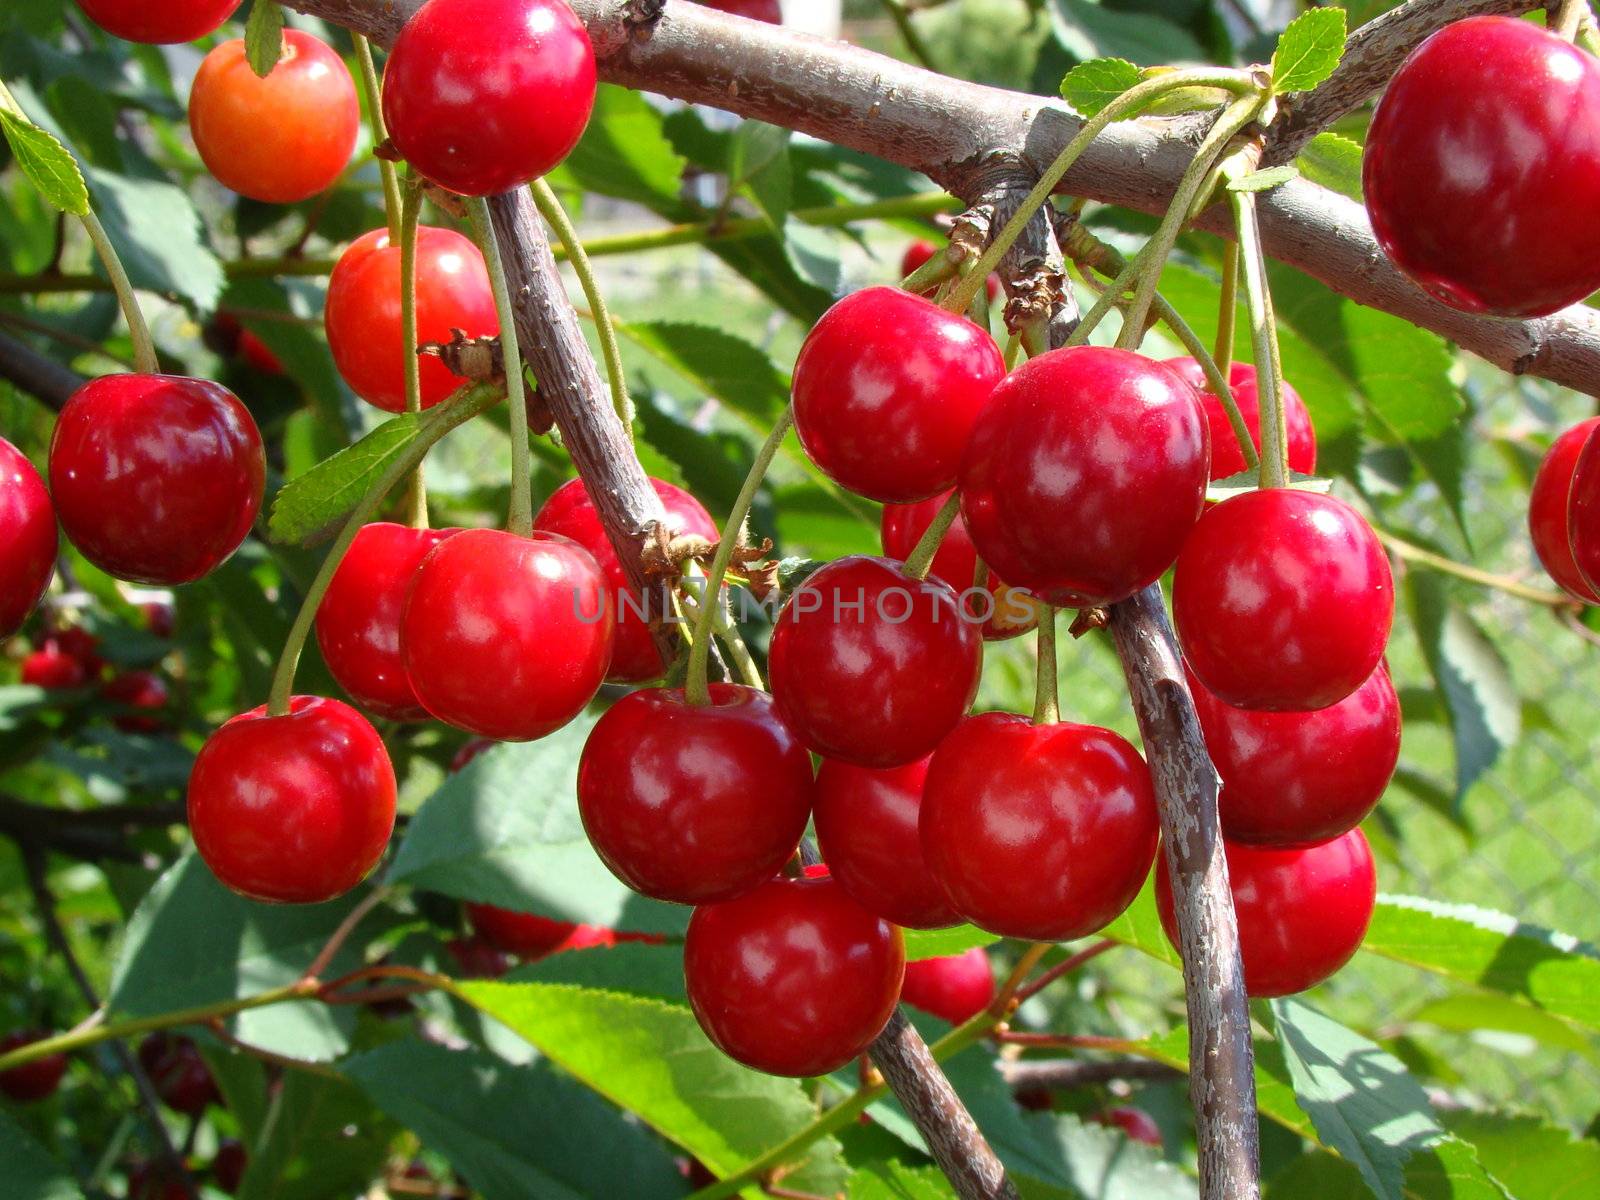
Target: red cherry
x=362 y=316
x=149 y=1181
x=1302 y=913
x=1038 y=831
x=295 y=809
x=1226 y=457
x=483 y=95
x=156 y=478
x=470 y=751
x=228 y=1164
x=527 y=935
x=570 y=513
x=278 y=139
x=794 y=978
x=36 y=1080
x=53 y=669
x=1482 y=168
x=694 y=803
x=886 y=390
x=1583 y=514
x=160 y=618
x=358 y=622
x=505 y=636
x=920 y=251
x=871 y=666
x=143 y=691
x=1297 y=778
x=1552 y=505
x=1135 y=1122
x=478 y=958
x=27 y=538
x=161 y=24
x=1085 y=473
x=769 y=11
x=956 y=987
x=1009 y=613
x=83 y=646
x=180 y=1075
x=1283 y=600
x=867 y=826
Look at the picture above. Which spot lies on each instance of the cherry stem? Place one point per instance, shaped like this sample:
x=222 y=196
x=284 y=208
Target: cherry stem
x=1046 y=695
x=1437 y=562
x=1066 y=1041
x=1129 y=104
x=1002 y=1005
x=927 y=547
x=1065 y=967
x=520 y=518
x=410 y=214
x=1568 y=18
x=1227 y=311
x=372 y=93
x=696 y=689
x=1264 y=338
x=144 y=347
x=345 y=928
x=937 y=270
x=743 y=660
x=556 y=217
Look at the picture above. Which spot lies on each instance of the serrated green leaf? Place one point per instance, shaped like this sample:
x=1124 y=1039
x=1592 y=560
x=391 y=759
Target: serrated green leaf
x=263 y=36
x=1089 y=30
x=1274 y=1093
x=158 y=234
x=1333 y=161
x=1472 y=1012
x=894 y=1180
x=1309 y=50
x=48 y=164
x=941 y=943
x=625 y=153
x=29 y=1171
x=1264 y=180
x=1448 y=1171
x=308 y=508
x=1090 y=86
x=725 y=366
x=1528 y=1156
x=628 y=968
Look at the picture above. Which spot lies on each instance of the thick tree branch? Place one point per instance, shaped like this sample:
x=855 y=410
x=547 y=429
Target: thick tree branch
x=1066 y=1074
x=41 y=377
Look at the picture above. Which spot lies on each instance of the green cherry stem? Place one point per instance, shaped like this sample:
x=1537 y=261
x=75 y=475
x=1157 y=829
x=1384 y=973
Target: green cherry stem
x=1046 y=693
x=372 y=93
x=520 y=520
x=937 y=270
x=1568 y=18
x=410 y=213
x=927 y=547
x=695 y=687
x=1227 y=310
x=144 y=347
x=1264 y=339
x=744 y=662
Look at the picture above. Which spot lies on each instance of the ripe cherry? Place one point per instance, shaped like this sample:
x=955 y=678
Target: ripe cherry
x=1297 y=778
x=469 y=751
x=1302 y=913
x=1135 y=1122
x=163 y=24
x=52 y=668
x=527 y=935
x=1085 y=474
x=1283 y=600
x=358 y=622
x=478 y=958
x=152 y=1181
x=27 y=538
x=920 y=251
x=956 y=987
x=794 y=978
x=694 y=803
x=144 y=697
x=180 y=1075
x=156 y=478
x=507 y=637
x=867 y=827
x=1038 y=831
x=228 y=1164
x=295 y=809
x=1552 y=504
x=1226 y=457
x=871 y=666
x=160 y=618
x=483 y=95
x=886 y=390
x=571 y=513
x=36 y=1080
x=83 y=646
x=1008 y=613
x=278 y=139
x=1482 y=168
x=1583 y=514
x=362 y=316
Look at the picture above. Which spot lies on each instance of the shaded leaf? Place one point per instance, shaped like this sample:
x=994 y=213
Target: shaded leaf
x=1448 y=1171
x=1309 y=50
x=1089 y=30
x=625 y=153
x=29 y=1171
x=721 y=364
x=48 y=164
x=320 y=1138
x=1090 y=86
x=263 y=36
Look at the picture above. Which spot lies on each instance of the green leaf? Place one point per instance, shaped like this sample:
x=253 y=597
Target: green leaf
x=1333 y=161
x=719 y=363
x=263 y=36
x=941 y=943
x=1309 y=50
x=320 y=1138
x=29 y=1171
x=1090 y=86
x=1470 y=1012
x=1264 y=180
x=651 y=1058
x=506 y=831
x=309 y=508
x=48 y=164
x=1448 y=1171
x=890 y=1179
x=625 y=153
x=1529 y=1157
x=1088 y=30
x=753 y=146
x=158 y=234
x=477 y=1111
x=1140 y=927
x=630 y=968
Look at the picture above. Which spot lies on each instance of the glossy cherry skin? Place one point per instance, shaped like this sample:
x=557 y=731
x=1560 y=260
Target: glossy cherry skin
x=1482 y=168
x=527 y=935
x=504 y=636
x=144 y=697
x=867 y=822
x=180 y=1075
x=52 y=668
x=483 y=95
x=694 y=804
x=1226 y=457
x=163 y=23
x=956 y=987
x=1038 y=831
x=295 y=809
x=1298 y=778
x=228 y=1164
x=769 y=11
x=920 y=251
x=1135 y=1122
x=156 y=478
x=1085 y=473
x=794 y=978
x=362 y=316
x=1552 y=505
x=1583 y=513
x=1302 y=913
x=886 y=390
x=27 y=538
x=1009 y=611
x=281 y=138
x=571 y=513
x=1283 y=600
x=871 y=666
x=34 y=1081
x=358 y=622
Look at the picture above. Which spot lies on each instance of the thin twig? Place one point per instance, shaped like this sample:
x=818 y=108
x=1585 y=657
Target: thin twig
x=1065 y=967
